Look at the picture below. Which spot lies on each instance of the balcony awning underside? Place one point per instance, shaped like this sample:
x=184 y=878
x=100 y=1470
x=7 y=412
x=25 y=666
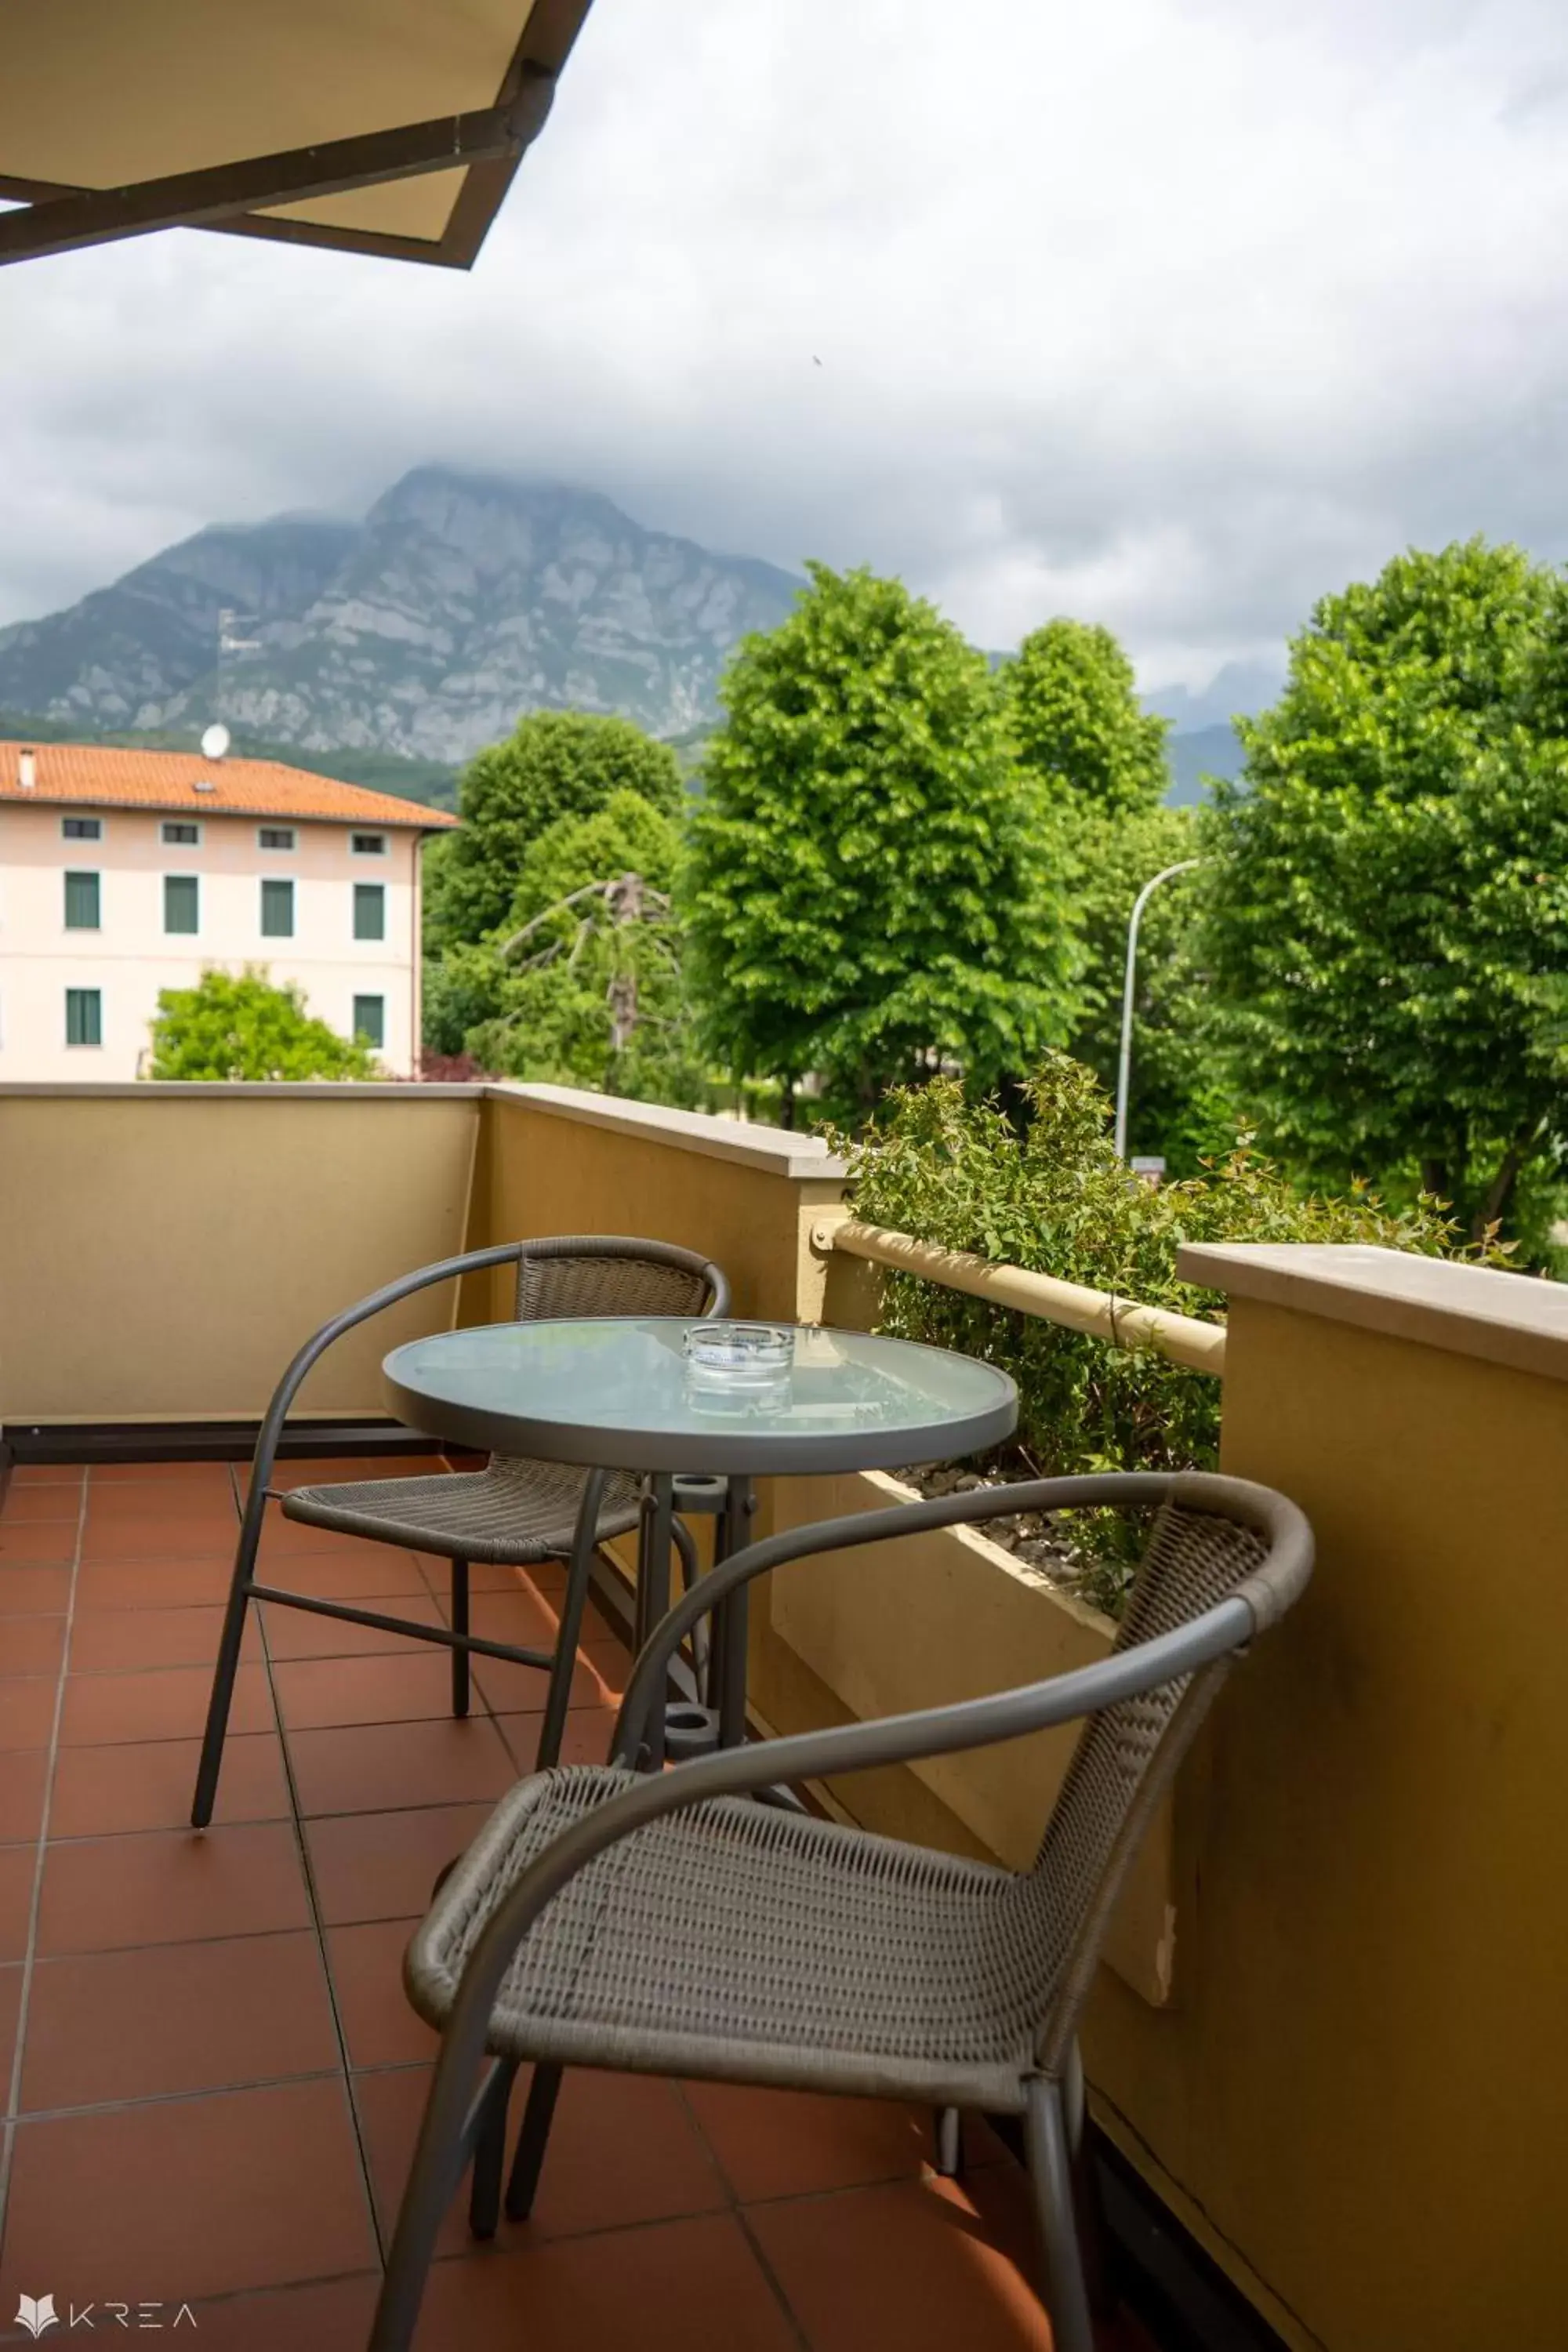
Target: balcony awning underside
x=390 y=127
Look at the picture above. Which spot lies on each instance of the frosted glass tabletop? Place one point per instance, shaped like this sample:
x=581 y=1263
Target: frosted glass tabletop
x=621 y=1394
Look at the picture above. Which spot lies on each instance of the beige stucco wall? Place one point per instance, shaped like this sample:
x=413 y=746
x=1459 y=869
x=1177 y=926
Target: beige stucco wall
x=130 y=957
x=1360 y=2095
x=164 y=1251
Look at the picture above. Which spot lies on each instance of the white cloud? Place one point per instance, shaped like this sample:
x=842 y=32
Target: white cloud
x=1175 y=313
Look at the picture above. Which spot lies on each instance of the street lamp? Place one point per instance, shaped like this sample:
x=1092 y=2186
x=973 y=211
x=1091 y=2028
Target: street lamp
x=1124 y=1060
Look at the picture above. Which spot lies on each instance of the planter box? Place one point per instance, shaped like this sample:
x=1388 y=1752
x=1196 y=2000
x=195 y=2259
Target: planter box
x=950 y=1615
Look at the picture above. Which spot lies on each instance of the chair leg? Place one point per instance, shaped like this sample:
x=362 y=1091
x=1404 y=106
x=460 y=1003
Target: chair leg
x=558 y=1697
x=950 y=2142
x=227 y=1665
x=532 y=2141
x=490 y=2155
x=460 y=1625
x=1050 y=2170
x=432 y=2178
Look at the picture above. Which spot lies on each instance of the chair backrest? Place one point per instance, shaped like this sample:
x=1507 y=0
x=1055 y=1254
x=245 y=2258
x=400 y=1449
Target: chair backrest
x=1211 y=1542
x=572 y=1276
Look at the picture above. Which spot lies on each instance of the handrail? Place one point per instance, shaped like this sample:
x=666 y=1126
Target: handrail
x=1101 y=1314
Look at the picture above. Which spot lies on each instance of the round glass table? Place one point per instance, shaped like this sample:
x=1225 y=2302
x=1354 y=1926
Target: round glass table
x=615 y=1394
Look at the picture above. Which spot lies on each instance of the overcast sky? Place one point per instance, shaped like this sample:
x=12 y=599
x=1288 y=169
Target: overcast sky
x=1168 y=313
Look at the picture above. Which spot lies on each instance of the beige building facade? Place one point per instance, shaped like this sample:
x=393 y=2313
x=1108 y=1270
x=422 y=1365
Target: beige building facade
x=124 y=873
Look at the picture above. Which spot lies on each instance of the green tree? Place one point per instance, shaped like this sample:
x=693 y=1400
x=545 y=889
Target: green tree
x=867 y=893
x=581 y=985
x=237 y=1026
x=1179 y=1106
x=1077 y=725
x=555 y=763
x=1389 y=887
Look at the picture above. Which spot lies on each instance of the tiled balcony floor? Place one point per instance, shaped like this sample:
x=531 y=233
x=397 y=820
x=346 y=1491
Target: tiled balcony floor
x=215 y=2088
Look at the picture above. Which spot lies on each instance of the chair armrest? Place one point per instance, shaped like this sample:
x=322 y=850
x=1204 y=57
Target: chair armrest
x=646 y=1685
x=316 y=1346
x=814 y=1755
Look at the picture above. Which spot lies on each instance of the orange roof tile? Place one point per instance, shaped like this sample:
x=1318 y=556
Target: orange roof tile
x=99 y=775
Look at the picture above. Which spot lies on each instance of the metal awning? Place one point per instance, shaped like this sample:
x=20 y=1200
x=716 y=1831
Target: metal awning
x=389 y=127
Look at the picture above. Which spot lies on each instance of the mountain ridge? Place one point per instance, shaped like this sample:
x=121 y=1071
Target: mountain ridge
x=459 y=601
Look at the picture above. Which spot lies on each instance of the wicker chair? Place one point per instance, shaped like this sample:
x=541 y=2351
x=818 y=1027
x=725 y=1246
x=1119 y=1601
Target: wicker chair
x=661 y=1923
x=515 y=1513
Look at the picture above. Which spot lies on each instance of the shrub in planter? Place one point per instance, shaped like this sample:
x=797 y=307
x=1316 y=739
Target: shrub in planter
x=1050 y=1193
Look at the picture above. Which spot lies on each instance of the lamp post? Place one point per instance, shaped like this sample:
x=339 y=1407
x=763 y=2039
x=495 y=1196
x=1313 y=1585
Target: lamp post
x=1124 y=1059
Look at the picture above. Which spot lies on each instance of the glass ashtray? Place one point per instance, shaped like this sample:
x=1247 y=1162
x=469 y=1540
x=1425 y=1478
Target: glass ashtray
x=738 y=1355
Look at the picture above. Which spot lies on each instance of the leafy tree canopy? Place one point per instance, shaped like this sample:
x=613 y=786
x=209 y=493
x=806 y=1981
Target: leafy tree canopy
x=866 y=893
x=555 y=763
x=1389 y=929
x=1077 y=725
x=237 y=1026
x=1177 y=1107
x=581 y=984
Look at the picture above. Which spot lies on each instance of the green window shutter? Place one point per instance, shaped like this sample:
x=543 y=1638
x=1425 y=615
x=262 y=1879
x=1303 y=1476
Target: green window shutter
x=277 y=910
x=84 y=1017
x=370 y=910
x=370 y=1019
x=81 y=902
x=181 y=905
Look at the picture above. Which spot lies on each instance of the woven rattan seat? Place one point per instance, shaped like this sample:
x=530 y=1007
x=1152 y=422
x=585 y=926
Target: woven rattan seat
x=739 y=1939
x=515 y=1511
x=669 y=1923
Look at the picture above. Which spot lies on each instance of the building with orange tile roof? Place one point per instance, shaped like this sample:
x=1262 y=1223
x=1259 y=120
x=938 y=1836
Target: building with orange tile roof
x=125 y=872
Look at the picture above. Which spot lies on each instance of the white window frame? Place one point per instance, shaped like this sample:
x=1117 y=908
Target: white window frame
x=167 y=843
x=358 y=848
x=99 y=991
x=277 y=848
x=81 y=816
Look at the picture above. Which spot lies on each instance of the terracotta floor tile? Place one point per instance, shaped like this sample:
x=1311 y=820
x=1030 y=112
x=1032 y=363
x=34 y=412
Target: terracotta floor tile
x=104 y=1894
x=791 y=2143
x=10 y=2011
x=516 y=1613
x=690 y=2286
x=23 y=1777
x=334 y=1470
x=155 y=1583
x=383 y=1865
x=297 y=1633
x=32 y=1646
x=27 y=1712
x=586 y=1739
x=177 y=1535
x=190 y=2197
x=34 y=1540
x=17 y=1864
x=161 y=1703
x=332 y=2318
x=379 y=2026
x=56 y=1501
x=407 y=1685
x=118 y=1506
x=913 y=2264
x=623 y=2151
x=391 y=1767
x=34 y=1592
x=48 y=1473
x=190 y=1478
x=103 y=1792
x=123 y=1641
x=178 y=2018
x=522 y=1690
x=358 y=1571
